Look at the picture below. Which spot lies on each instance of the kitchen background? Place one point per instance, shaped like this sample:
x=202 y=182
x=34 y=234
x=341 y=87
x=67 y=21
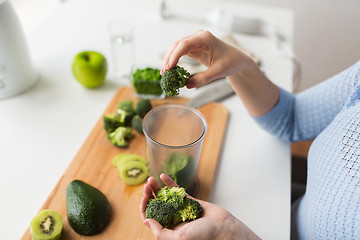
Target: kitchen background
x=326 y=35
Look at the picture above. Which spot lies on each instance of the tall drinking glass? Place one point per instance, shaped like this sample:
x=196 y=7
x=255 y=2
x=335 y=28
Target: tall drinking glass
x=122 y=50
x=174 y=137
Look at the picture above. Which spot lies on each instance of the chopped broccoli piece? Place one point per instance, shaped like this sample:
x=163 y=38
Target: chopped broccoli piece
x=120 y=136
x=161 y=211
x=174 y=79
x=136 y=123
x=126 y=112
x=172 y=206
x=126 y=105
x=191 y=211
x=112 y=122
x=142 y=107
x=174 y=196
x=147 y=81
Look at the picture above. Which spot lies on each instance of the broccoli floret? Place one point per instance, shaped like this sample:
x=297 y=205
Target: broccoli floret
x=173 y=196
x=126 y=105
x=142 y=107
x=112 y=122
x=161 y=211
x=172 y=206
x=174 y=79
x=191 y=211
x=147 y=81
x=126 y=112
x=136 y=123
x=120 y=136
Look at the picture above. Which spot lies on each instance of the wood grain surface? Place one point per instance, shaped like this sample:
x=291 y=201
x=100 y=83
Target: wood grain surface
x=92 y=164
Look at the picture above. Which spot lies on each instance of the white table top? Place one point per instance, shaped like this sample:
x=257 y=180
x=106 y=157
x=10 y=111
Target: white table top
x=42 y=130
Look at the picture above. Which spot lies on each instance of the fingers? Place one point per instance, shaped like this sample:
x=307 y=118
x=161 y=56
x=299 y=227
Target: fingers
x=149 y=192
x=181 y=47
x=168 y=181
x=147 y=195
x=202 y=78
x=158 y=230
x=155 y=186
x=166 y=65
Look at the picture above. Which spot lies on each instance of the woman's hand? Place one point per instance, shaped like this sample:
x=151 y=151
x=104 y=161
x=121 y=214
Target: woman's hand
x=258 y=94
x=216 y=222
x=221 y=59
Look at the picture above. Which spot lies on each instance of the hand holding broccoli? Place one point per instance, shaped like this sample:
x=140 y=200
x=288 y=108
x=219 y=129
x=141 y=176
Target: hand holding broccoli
x=174 y=79
x=214 y=223
x=220 y=58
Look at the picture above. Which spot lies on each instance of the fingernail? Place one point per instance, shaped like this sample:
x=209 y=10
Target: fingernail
x=146 y=224
x=190 y=84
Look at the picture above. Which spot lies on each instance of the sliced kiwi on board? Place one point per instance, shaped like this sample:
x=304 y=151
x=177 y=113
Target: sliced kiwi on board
x=120 y=159
x=134 y=172
x=47 y=225
x=134 y=175
x=131 y=157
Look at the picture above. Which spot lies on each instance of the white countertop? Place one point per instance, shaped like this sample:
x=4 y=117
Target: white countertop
x=42 y=130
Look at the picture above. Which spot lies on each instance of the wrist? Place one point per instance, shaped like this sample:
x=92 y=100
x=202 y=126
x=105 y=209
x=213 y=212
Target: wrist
x=233 y=228
x=258 y=94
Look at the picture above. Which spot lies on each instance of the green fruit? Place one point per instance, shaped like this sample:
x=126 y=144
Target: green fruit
x=120 y=159
x=88 y=210
x=90 y=68
x=47 y=225
x=129 y=158
x=134 y=172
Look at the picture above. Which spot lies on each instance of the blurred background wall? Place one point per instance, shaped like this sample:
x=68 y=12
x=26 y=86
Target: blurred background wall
x=326 y=35
x=326 y=32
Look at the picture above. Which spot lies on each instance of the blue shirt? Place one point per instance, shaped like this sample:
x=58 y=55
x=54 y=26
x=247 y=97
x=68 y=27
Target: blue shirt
x=329 y=113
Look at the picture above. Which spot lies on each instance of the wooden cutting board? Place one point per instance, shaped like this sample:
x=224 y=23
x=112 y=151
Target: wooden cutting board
x=92 y=164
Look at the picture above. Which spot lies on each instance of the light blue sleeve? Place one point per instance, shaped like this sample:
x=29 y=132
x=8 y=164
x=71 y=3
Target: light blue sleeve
x=304 y=115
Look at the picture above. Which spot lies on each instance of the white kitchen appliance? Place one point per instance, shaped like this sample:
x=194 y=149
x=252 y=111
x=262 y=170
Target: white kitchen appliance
x=17 y=73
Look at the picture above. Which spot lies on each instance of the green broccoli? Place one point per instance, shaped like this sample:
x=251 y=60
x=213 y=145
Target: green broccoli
x=142 y=107
x=126 y=112
x=174 y=79
x=120 y=136
x=161 y=211
x=147 y=81
x=173 y=196
x=112 y=122
x=173 y=206
x=191 y=211
x=136 y=123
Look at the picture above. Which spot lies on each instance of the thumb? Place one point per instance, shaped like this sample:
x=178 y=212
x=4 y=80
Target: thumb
x=202 y=78
x=158 y=230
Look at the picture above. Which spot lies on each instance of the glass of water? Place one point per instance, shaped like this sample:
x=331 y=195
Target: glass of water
x=122 y=50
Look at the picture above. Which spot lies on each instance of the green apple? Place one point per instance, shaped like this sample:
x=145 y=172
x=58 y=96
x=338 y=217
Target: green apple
x=90 y=68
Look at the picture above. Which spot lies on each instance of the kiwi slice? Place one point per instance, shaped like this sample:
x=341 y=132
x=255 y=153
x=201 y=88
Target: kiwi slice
x=134 y=172
x=122 y=158
x=129 y=158
x=118 y=158
x=47 y=225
